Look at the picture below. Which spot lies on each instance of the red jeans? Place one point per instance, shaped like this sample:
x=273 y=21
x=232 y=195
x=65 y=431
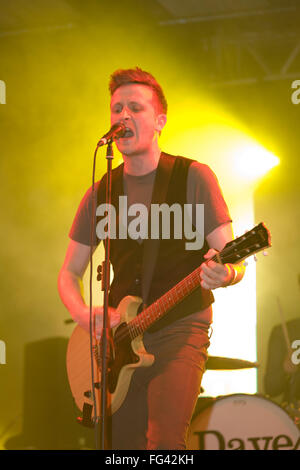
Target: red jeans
x=161 y=399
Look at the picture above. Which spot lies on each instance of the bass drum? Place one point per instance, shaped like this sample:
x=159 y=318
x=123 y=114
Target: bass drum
x=245 y=422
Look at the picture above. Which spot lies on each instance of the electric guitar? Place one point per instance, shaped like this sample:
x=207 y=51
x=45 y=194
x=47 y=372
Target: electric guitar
x=128 y=349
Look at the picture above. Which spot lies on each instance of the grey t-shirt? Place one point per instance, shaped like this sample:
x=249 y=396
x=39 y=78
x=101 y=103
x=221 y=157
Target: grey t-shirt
x=202 y=188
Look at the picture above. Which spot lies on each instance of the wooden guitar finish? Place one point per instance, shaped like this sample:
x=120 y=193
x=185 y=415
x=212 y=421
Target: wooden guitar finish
x=128 y=353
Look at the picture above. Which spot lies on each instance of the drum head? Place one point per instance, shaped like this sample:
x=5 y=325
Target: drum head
x=245 y=422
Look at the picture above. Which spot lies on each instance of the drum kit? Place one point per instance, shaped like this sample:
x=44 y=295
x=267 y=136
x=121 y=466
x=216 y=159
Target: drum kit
x=242 y=421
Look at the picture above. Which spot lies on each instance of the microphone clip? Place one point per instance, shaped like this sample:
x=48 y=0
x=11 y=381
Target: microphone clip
x=115 y=132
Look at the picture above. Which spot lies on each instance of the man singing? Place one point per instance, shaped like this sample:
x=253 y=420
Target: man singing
x=161 y=398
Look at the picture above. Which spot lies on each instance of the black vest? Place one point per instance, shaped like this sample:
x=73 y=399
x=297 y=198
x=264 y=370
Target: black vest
x=173 y=263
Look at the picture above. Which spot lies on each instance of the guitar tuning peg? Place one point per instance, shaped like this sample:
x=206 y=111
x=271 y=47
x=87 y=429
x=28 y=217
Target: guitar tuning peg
x=265 y=253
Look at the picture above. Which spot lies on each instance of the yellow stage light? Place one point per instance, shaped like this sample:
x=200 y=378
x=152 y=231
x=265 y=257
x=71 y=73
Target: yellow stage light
x=253 y=161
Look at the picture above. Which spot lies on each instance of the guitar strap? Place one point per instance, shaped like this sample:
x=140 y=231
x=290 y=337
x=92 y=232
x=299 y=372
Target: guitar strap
x=151 y=246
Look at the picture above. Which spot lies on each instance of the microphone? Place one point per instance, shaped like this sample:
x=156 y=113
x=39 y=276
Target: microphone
x=116 y=131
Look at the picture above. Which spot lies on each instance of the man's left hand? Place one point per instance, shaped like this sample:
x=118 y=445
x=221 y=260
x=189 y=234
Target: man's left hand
x=214 y=275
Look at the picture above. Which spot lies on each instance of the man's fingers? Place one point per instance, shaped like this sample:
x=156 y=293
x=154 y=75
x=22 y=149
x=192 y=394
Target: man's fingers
x=211 y=252
x=115 y=319
x=214 y=275
x=214 y=270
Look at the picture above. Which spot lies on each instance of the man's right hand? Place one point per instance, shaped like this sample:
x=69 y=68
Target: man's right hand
x=114 y=319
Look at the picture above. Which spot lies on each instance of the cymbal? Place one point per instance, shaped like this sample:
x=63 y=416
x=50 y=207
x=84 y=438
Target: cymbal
x=228 y=363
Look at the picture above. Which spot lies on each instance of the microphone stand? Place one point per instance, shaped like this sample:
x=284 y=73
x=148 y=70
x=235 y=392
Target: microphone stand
x=105 y=287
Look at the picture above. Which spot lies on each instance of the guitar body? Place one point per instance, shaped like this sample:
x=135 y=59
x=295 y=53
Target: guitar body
x=127 y=351
x=128 y=355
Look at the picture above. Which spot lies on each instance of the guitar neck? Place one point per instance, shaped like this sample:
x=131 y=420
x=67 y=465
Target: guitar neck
x=164 y=304
x=235 y=251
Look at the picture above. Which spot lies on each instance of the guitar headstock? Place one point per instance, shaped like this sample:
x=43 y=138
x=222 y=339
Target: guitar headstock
x=248 y=244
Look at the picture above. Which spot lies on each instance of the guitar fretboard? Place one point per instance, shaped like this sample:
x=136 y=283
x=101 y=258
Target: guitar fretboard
x=234 y=252
x=158 y=309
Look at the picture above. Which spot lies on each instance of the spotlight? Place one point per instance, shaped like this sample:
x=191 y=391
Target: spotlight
x=253 y=161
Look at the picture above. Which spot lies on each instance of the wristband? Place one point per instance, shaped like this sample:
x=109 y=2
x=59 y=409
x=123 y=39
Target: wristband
x=234 y=277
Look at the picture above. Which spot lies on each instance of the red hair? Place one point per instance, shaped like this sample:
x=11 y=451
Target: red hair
x=127 y=76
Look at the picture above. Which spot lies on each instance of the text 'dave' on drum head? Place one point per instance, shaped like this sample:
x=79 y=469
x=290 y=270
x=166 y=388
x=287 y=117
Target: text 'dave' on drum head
x=245 y=422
